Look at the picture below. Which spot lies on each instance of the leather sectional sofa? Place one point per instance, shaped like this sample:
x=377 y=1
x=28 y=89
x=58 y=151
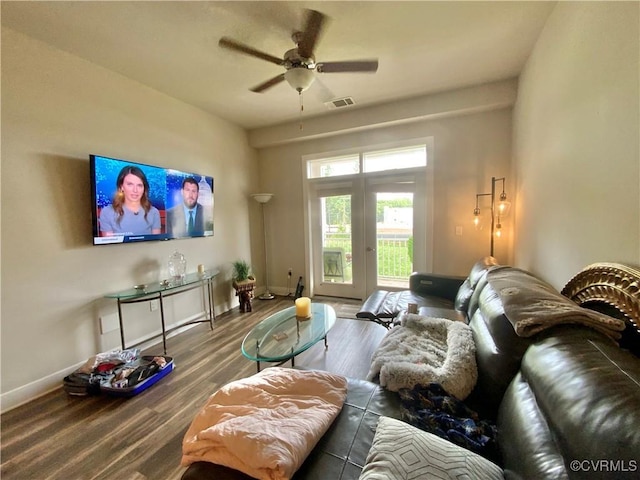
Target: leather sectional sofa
x=566 y=400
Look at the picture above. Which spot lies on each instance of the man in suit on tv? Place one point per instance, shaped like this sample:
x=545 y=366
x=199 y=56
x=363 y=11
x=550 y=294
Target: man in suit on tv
x=186 y=219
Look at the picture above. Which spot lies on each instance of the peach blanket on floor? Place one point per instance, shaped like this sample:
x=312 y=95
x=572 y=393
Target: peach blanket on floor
x=265 y=425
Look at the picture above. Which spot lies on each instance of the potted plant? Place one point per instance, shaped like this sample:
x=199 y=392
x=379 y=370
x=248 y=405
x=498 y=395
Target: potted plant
x=241 y=271
x=244 y=283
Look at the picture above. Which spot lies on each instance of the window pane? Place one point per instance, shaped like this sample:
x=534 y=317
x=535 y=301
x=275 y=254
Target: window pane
x=336 y=239
x=394 y=238
x=406 y=157
x=333 y=167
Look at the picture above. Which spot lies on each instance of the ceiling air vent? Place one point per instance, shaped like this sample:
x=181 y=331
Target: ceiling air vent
x=340 y=103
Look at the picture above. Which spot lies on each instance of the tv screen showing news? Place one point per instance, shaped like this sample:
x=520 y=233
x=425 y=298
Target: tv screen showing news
x=133 y=202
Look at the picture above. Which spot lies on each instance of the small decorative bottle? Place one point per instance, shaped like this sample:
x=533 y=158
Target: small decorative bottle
x=177 y=266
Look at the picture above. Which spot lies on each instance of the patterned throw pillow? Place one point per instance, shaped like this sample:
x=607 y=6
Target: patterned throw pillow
x=400 y=451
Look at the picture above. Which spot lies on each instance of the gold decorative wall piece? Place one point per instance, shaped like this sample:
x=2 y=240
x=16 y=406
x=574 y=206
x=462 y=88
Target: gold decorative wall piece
x=613 y=284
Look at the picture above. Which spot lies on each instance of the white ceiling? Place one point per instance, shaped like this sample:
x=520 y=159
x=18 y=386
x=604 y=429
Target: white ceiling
x=422 y=47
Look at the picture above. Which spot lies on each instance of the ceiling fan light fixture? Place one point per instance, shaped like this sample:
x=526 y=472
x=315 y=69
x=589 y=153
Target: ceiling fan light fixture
x=300 y=62
x=299 y=78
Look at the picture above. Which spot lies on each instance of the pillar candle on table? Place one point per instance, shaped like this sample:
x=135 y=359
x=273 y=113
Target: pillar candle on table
x=303 y=307
x=201 y=269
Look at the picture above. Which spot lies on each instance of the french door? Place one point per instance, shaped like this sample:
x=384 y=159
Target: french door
x=336 y=222
x=367 y=232
x=395 y=230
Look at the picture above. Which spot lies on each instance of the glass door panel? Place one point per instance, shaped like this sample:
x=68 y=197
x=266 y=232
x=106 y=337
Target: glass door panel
x=337 y=242
x=394 y=238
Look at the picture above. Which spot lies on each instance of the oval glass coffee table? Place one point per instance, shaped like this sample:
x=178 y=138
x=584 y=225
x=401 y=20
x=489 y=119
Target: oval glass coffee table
x=282 y=336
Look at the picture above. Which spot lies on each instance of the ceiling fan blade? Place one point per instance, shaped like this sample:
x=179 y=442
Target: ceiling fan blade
x=312 y=29
x=365 y=66
x=268 y=84
x=225 y=42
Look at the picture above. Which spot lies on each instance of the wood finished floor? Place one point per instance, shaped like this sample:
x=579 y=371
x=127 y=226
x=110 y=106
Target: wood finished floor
x=62 y=437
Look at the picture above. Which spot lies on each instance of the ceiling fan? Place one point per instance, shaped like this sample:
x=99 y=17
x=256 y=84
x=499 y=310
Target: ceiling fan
x=300 y=62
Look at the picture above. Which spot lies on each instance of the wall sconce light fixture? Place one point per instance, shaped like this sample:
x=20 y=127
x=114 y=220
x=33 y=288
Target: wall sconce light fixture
x=498 y=210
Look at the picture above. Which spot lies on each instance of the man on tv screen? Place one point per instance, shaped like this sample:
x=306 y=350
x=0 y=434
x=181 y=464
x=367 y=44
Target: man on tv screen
x=186 y=219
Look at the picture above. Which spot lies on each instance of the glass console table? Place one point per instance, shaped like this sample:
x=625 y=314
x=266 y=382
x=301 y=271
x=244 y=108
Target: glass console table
x=160 y=291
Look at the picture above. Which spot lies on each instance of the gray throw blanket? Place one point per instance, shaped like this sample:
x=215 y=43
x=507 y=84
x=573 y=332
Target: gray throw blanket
x=532 y=305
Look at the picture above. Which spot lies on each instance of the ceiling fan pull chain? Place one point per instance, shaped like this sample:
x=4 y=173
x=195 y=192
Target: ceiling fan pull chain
x=301 y=108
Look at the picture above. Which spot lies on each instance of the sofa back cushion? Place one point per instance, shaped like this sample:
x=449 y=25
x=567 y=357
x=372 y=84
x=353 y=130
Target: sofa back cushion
x=498 y=349
x=575 y=399
x=478 y=271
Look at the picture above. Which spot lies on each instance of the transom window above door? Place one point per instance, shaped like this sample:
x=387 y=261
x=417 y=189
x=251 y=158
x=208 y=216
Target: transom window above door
x=364 y=162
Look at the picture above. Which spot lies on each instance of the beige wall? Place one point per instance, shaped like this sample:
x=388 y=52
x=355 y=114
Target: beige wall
x=576 y=142
x=56 y=110
x=468 y=150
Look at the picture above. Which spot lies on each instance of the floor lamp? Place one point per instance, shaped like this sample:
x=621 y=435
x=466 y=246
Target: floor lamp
x=263 y=198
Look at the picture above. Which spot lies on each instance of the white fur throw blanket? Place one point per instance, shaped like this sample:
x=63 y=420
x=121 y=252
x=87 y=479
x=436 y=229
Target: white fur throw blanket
x=265 y=425
x=423 y=350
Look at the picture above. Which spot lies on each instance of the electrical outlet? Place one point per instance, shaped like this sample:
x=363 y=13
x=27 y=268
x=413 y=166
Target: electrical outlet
x=290 y=272
x=153 y=305
x=109 y=323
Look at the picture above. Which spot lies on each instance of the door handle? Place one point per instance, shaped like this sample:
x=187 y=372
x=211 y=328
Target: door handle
x=371 y=249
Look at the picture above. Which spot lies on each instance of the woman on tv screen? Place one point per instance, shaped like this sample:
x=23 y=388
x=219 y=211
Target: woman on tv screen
x=130 y=212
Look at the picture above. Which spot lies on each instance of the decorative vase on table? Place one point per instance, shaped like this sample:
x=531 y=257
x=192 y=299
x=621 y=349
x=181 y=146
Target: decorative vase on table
x=177 y=266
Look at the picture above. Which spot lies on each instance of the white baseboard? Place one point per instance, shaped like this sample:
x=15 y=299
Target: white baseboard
x=26 y=393
x=31 y=391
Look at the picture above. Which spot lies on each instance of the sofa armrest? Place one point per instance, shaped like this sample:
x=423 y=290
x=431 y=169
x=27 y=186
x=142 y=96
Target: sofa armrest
x=429 y=284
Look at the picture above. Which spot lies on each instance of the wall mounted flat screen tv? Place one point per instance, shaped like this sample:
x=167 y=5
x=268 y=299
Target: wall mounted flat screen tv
x=133 y=202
